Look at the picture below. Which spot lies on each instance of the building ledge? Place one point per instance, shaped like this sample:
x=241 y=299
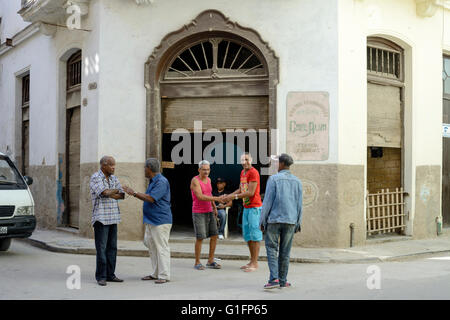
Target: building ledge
x=51 y=11
x=427 y=8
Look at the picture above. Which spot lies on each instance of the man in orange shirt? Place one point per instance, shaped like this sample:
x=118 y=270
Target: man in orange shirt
x=249 y=193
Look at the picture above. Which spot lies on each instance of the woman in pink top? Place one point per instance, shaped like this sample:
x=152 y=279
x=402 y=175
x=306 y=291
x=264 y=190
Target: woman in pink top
x=204 y=214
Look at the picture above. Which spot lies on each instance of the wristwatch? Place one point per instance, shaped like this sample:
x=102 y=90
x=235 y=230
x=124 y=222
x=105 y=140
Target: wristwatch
x=235 y=197
x=134 y=194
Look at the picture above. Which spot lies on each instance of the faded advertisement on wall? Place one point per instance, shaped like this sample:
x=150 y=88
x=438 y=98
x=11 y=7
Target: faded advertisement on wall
x=307 y=136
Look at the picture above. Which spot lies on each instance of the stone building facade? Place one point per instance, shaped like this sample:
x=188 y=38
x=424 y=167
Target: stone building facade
x=352 y=89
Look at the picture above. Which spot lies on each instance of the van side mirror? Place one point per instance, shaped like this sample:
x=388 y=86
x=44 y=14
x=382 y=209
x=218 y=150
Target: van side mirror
x=28 y=180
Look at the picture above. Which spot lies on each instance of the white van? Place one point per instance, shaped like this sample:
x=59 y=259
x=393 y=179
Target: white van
x=17 y=218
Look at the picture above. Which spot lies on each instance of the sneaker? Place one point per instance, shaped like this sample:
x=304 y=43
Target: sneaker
x=286 y=285
x=221 y=237
x=272 y=284
x=101 y=283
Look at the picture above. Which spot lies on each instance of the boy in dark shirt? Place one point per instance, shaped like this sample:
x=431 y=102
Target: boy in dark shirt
x=221 y=208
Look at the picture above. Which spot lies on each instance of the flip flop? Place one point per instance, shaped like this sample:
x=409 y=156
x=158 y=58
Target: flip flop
x=244 y=267
x=213 y=265
x=199 y=267
x=160 y=281
x=250 y=269
x=148 y=278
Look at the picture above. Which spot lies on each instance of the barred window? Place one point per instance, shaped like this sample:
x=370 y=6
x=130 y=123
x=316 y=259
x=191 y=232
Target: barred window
x=446 y=75
x=74 y=70
x=26 y=90
x=216 y=58
x=384 y=59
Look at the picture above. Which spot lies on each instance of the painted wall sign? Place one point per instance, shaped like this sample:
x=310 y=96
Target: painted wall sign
x=307 y=125
x=310 y=192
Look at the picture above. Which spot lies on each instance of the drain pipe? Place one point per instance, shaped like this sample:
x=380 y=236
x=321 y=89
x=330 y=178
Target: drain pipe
x=352 y=231
x=438 y=225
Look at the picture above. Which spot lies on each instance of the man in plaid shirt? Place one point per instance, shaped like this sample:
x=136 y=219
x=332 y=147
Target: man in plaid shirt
x=105 y=191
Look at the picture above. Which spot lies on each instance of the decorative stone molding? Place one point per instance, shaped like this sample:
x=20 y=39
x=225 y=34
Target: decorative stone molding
x=50 y=11
x=427 y=8
x=82 y=4
x=21 y=36
x=46 y=29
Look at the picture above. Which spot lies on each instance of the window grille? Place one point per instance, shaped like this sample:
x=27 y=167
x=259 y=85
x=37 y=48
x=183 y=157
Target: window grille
x=74 y=70
x=26 y=90
x=384 y=60
x=446 y=76
x=216 y=58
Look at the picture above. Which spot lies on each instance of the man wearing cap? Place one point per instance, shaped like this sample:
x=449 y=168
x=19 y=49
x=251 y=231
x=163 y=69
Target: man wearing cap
x=281 y=217
x=221 y=207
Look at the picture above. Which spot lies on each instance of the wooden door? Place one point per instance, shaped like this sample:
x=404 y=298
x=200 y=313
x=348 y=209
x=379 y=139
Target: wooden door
x=25 y=147
x=73 y=165
x=446 y=164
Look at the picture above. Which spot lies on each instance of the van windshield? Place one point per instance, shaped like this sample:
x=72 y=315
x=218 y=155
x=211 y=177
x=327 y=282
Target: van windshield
x=10 y=178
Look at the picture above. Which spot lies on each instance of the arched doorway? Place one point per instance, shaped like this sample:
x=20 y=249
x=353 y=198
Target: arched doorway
x=69 y=133
x=211 y=74
x=385 y=137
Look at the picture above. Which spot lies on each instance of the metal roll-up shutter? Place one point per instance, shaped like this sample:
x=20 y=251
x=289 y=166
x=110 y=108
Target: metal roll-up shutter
x=218 y=112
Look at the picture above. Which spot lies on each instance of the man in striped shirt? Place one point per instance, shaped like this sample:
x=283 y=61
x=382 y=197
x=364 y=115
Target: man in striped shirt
x=105 y=191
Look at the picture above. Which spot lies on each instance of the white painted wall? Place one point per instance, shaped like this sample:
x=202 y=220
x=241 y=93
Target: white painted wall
x=446 y=30
x=304 y=40
x=42 y=56
x=12 y=23
x=397 y=21
x=42 y=98
x=424 y=40
x=321 y=47
x=67 y=42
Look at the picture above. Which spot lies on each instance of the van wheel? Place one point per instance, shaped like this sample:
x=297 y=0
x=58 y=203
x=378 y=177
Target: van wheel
x=4 y=244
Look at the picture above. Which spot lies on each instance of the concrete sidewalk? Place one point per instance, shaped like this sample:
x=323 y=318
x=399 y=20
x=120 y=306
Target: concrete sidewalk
x=234 y=248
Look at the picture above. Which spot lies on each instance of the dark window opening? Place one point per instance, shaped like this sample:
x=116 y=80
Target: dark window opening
x=74 y=70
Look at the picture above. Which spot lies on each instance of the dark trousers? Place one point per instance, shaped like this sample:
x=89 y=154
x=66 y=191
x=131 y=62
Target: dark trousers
x=106 y=246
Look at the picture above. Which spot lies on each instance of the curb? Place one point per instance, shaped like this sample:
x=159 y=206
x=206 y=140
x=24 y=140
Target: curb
x=190 y=255
x=144 y=253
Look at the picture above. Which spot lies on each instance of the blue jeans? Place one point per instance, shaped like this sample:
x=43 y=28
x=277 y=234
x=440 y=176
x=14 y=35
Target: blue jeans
x=278 y=240
x=106 y=246
x=222 y=219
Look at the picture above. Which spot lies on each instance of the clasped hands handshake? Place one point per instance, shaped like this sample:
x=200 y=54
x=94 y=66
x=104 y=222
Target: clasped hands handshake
x=128 y=190
x=225 y=198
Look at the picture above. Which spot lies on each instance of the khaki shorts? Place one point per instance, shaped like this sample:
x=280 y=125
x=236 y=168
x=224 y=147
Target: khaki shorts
x=205 y=225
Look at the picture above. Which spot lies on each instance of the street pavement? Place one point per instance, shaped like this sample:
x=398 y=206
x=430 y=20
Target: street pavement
x=28 y=272
x=385 y=248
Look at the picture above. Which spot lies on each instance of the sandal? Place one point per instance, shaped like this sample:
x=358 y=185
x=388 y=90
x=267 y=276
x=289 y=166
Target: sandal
x=160 y=281
x=213 y=265
x=149 y=278
x=199 y=267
